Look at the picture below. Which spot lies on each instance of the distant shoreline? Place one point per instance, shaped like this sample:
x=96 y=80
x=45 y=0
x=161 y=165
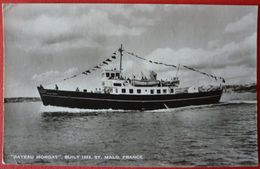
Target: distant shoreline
x=240 y=88
x=21 y=99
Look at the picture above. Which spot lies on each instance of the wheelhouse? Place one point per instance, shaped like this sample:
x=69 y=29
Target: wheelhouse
x=111 y=74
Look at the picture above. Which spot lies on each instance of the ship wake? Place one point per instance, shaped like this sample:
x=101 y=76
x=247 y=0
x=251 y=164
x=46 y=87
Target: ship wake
x=60 y=111
x=54 y=110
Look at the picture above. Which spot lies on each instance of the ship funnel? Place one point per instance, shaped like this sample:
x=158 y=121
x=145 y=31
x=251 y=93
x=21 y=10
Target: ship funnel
x=153 y=75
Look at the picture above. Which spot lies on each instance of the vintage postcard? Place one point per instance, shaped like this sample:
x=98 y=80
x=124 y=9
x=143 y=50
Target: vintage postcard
x=130 y=85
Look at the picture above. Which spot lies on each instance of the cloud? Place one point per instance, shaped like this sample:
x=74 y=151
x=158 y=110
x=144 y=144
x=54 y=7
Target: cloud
x=53 y=75
x=80 y=31
x=214 y=44
x=223 y=56
x=98 y=22
x=145 y=8
x=242 y=24
x=179 y=7
x=51 y=38
x=234 y=59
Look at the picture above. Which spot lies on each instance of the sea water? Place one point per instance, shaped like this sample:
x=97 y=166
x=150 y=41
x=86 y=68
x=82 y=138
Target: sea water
x=223 y=134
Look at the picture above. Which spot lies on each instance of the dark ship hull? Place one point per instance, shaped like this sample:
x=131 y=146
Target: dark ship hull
x=88 y=100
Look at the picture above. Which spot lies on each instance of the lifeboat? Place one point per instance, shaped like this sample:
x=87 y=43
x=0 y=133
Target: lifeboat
x=147 y=83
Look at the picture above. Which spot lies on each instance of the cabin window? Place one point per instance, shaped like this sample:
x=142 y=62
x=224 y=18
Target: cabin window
x=123 y=91
x=164 y=91
x=158 y=91
x=112 y=75
x=107 y=74
x=117 y=74
x=138 y=90
x=172 y=91
x=117 y=84
x=152 y=91
x=116 y=90
x=131 y=91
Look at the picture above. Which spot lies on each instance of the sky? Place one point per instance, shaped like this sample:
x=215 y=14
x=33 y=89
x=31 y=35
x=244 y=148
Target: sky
x=45 y=43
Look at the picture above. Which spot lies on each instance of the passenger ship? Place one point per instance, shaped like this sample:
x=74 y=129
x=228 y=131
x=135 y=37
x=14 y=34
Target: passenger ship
x=118 y=92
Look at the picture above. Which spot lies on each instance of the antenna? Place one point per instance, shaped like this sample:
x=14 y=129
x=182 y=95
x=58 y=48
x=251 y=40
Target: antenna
x=177 y=70
x=121 y=54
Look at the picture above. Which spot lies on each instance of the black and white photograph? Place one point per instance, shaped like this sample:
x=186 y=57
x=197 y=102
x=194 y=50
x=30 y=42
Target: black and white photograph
x=130 y=85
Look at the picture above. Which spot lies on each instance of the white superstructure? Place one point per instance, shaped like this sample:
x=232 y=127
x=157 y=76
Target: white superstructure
x=114 y=83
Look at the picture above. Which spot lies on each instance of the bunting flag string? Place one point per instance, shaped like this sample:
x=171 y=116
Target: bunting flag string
x=154 y=62
x=209 y=75
x=89 y=71
x=187 y=67
x=114 y=56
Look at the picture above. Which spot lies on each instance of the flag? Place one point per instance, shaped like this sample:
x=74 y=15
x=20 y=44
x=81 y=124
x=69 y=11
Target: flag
x=87 y=71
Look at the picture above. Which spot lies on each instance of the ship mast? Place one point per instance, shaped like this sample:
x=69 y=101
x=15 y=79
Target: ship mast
x=177 y=70
x=121 y=54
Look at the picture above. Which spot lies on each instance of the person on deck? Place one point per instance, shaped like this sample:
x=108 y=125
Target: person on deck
x=56 y=87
